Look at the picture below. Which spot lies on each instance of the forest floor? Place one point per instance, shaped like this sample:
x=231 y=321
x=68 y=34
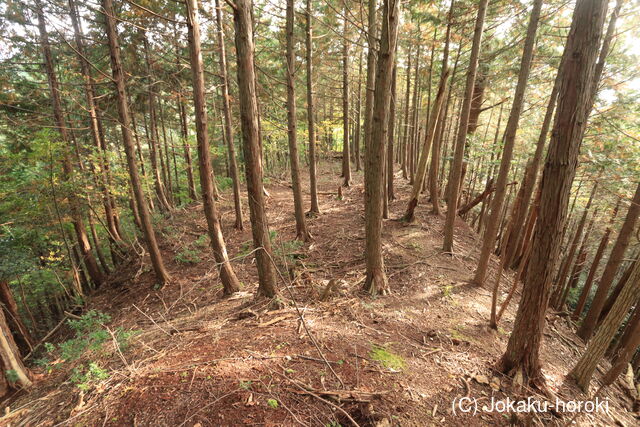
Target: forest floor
x=198 y=359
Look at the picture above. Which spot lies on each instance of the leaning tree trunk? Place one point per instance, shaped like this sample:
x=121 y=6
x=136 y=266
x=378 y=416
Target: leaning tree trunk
x=125 y=124
x=376 y=279
x=426 y=148
x=302 y=232
x=455 y=174
x=615 y=258
x=228 y=127
x=67 y=170
x=242 y=17
x=584 y=369
x=313 y=185
x=23 y=336
x=10 y=360
x=522 y=353
x=228 y=277
x=491 y=228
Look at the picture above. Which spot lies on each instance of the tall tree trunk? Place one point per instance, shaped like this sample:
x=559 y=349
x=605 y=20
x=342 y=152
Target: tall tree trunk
x=522 y=354
x=67 y=169
x=389 y=194
x=228 y=127
x=358 y=120
x=313 y=185
x=302 y=232
x=594 y=265
x=346 y=155
x=490 y=232
x=455 y=174
x=186 y=146
x=376 y=279
x=615 y=258
x=583 y=371
x=405 y=126
x=242 y=17
x=228 y=277
x=162 y=276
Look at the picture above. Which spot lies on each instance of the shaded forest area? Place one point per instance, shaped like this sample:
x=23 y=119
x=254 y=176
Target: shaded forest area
x=318 y=212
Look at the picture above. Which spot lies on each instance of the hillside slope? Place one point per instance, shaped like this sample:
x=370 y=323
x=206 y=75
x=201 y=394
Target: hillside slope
x=195 y=358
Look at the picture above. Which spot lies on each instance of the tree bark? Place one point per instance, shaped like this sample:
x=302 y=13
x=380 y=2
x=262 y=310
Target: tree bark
x=313 y=185
x=583 y=371
x=490 y=232
x=10 y=359
x=162 y=276
x=456 y=169
x=372 y=58
x=302 y=233
x=242 y=17
x=23 y=336
x=522 y=354
x=376 y=279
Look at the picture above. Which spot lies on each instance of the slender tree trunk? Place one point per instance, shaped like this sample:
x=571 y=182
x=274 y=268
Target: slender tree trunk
x=162 y=276
x=67 y=169
x=405 y=126
x=490 y=232
x=390 y=138
x=313 y=185
x=228 y=277
x=522 y=354
x=358 y=122
x=615 y=258
x=563 y=273
x=611 y=299
x=302 y=232
x=228 y=127
x=456 y=168
x=242 y=17
x=583 y=371
x=376 y=279
x=186 y=147
x=346 y=156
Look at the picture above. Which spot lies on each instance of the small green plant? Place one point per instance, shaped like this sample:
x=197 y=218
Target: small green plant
x=272 y=403
x=85 y=379
x=446 y=290
x=245 y=385
x=333 y=424
x=188 y=256
x=11 y=375
x=202 y=241
x=387 y=358
x=224 y=182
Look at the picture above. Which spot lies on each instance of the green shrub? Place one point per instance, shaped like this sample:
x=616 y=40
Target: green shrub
x=188 y=256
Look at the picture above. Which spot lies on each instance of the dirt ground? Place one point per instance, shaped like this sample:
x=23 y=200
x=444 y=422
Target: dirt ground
x=198 y=359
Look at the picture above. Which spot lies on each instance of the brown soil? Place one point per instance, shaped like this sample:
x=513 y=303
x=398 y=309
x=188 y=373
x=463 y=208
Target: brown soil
x=202 y=360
